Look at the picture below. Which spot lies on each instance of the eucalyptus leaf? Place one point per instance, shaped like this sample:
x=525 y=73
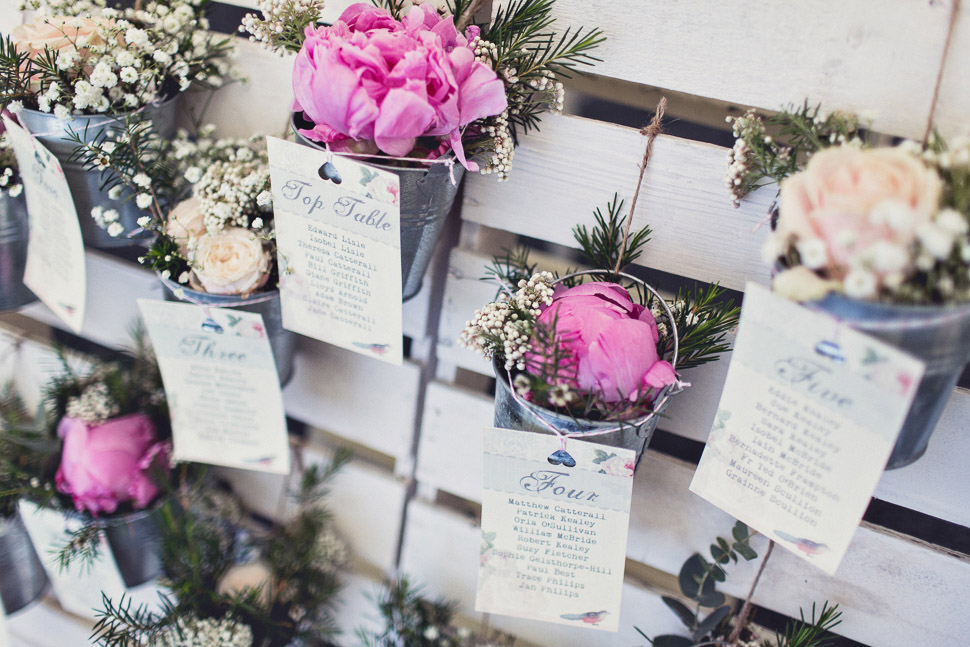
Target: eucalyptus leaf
x=740 y=531
x=712 y=599
x=690 y=575
x=686 y=615
x=708 y=624
x=745 y=551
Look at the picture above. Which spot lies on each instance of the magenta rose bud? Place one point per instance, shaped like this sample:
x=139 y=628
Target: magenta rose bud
x=610 y=343
x=110 y=463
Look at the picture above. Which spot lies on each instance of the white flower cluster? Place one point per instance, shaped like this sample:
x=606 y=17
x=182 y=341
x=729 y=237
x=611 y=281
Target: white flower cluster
x=330 y=550
x=500 y=328
x=9 y=178
x=500 y=157
x=745 y=128
x=207 y=632
x=230 y=191
x=120 y=59
x=94 y=406
x=277 y=16
x=108 y=219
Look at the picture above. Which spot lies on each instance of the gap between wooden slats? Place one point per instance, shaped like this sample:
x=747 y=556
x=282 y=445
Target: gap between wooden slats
x=868 y=56
x=574 y=165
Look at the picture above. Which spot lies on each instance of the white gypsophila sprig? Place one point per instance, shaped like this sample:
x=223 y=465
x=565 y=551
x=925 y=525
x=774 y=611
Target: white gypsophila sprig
x=192 y=631
x=94 y=405
x=505 y=327
x=281 y=23
x=230 y=192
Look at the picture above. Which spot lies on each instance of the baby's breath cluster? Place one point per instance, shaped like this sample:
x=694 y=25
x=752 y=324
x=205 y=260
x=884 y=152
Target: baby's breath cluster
x=9 y=171
x=281 y=28
x=86 y=57
x=192 y=631
x=499 y=159
x=232 y=192
x=94 y=405
x=504 y=328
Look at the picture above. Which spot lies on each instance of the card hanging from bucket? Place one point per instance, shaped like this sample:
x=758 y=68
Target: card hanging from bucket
x=55 y=269
x=338 y=235
x=222 y=386
x=554 y=528
x=808 y=417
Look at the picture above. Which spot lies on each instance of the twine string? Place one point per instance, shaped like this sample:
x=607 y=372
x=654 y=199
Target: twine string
x=954 y=13
x=651 y=131
x=447 y=161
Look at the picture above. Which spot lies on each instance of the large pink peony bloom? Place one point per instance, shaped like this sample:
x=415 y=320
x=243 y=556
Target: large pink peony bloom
x=371 y=77
x=107 y=464
x=610 y=343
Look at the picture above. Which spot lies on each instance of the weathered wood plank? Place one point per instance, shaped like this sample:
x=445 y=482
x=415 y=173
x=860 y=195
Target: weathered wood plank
x=574 y=165
x=869 y=56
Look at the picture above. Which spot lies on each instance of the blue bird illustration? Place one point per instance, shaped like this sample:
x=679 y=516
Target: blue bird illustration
x=807 y=546
x=380 y=349
x=590 y=618
x=210 y=325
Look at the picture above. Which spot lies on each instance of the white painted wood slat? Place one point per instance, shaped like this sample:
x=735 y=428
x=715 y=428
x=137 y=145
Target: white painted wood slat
x=574 y=165
x=864 y=56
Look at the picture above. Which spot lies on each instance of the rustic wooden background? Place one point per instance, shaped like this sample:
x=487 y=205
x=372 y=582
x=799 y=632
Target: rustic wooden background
x=409 y=502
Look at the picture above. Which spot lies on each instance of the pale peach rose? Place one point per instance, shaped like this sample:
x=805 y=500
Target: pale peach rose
x=243 y=578
x=55 y=33
x=185 y=221
x=230 y=261
x=849 y=199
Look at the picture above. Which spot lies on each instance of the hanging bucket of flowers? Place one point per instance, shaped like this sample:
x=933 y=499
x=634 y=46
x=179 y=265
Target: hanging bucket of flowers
x=13 y=233
x=76 y=72
x=423 y=93
x=99 y=455
x=590 y=370
x=879 y=238
x=24 y=579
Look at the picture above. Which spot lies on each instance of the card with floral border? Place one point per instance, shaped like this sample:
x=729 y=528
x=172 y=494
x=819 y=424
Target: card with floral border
x=55 y=270
x=79 y=586
x=806 y=422
x=338 y=235
x=222 y=387
x=554 y=529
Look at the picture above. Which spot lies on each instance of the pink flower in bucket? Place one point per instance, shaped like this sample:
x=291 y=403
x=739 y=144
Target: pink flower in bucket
x=372 y=77
x=609 y=343
x=104 y=465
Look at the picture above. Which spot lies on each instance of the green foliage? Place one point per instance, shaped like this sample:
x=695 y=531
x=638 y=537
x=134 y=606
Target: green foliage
x=703 y=317
x=698 y=579
x=603 y=247
x=410 y=620
x=812 y=632
x=510 y=268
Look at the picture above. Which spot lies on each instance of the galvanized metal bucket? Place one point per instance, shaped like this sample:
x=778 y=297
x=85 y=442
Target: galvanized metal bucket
x=514 y=412
x=938 y=335
x=427 y=196
x=22 y=576
x=86 y=185
x=267 y=304
x=136 y=543
x=13 y=253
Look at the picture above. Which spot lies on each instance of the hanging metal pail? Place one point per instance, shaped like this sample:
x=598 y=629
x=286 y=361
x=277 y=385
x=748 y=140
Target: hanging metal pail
x=514 y=412
x=267 y=304
x=136 y=543
x=427 y=196
x=22 y=576
x=937 y=335
x=86 y=185
x=13 y=253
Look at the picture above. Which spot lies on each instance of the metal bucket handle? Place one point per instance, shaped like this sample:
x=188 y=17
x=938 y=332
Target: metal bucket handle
x=665 y=395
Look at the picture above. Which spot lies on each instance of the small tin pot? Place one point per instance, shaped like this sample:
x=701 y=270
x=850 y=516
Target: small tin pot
x=22 y=576
x=13 y=253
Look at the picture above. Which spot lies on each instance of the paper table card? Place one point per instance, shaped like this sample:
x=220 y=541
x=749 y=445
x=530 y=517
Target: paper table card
x=339 y=243
x=78 y=587
x=554 y=537
x=222 y=386
x=55 y=268
x=808 y=417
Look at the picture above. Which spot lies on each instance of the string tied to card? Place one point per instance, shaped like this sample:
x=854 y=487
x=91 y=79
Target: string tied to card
x=449 y=161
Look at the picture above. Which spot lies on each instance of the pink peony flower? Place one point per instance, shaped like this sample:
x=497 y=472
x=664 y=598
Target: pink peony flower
x=610 y=343
x=107 y=464
x=372 y=77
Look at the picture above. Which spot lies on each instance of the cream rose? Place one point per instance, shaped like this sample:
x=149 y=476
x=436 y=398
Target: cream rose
x=230 y=261
x=185 y=221
x=245 y=577
x=55 y=33
x=848 y=199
